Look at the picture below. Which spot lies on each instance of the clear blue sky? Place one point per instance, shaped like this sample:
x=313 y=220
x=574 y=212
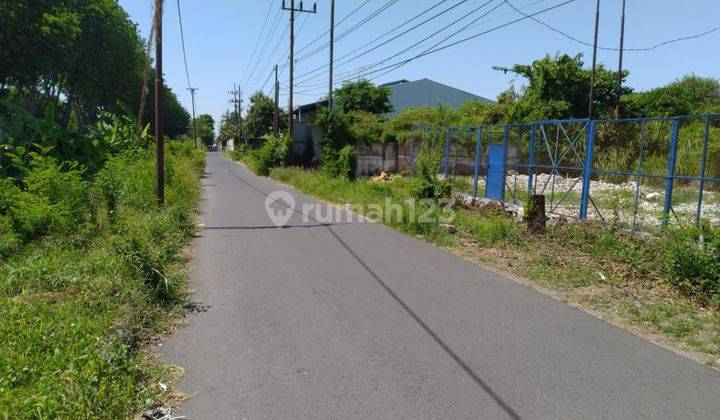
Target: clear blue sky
x=220 y=36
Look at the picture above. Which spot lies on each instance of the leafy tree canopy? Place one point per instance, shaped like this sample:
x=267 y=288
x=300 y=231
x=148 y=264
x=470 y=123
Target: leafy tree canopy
x=559 y=87
x=205 y=126
x=259 y=119
x=81 y=55
x=362 y=95
x=689 y=95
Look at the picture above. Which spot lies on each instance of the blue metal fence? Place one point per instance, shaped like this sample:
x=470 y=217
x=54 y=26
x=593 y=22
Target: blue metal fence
x=639 y=173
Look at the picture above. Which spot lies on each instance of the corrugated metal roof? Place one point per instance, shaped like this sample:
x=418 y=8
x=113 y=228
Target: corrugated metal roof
x=419 y=93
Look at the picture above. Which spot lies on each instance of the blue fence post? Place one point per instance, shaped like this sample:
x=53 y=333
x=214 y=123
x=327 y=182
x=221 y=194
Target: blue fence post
x=478 y=151
x=671 y=171
x=448 y=134
x=531 y=160
x=703 y=162
x=587 y=170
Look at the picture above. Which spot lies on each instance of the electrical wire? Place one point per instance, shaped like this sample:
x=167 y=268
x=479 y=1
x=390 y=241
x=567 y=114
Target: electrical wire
x=319 y=37
x=392 y=67
x=263 y=49
x=353 y=28
x=579 y=41
x=461 y=18
x=262 y=31
x=182 y=41
x=339 y=60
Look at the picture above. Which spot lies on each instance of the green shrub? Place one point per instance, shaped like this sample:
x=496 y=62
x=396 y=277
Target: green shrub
x=340 y=163
x=50 y=198
x=240 y=151
x=9 y=240
x=693 y=262
x=275 y=152
x=84 y=307
x=425 y=183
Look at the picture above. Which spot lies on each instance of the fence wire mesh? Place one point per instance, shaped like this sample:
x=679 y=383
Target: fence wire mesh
x=640 y=174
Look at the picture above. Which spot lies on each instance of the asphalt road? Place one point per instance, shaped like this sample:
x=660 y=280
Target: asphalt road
x=356 y=320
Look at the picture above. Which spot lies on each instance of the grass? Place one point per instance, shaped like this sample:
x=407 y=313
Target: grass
x=617 y=274
x=77 y=307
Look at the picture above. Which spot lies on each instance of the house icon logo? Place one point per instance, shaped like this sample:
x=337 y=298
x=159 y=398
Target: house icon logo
x=279 y=206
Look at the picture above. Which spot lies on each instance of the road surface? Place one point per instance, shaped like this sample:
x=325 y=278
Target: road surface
x=356 y=320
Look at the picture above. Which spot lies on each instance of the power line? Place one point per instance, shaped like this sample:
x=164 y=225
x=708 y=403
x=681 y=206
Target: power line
x=277 y=45
x=384 y=35
x=579 y=41
x=266 y=80
x=270 y=36
x=404 y=32
x=427 y=52
x=444 y=28
x=302 y=25
x=182 y=41
x=387 y=33
x=257 y=42
x=319 y=37
x=351 y=29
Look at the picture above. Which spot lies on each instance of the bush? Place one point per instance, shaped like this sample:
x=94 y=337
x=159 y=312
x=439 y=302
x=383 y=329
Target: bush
x=340 y=164
x=694 y=263
x=83 y=307
x=50 y=198
x=275 y=152
x=426 y=184
x=240 y=151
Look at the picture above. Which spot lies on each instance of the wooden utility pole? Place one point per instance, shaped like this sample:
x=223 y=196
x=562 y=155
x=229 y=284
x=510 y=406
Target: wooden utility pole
x=192 y=97
x=276 y=114
x=292 y=10
x=332 y=45
x=594 y=61
x=620 y=61
x=159 y=134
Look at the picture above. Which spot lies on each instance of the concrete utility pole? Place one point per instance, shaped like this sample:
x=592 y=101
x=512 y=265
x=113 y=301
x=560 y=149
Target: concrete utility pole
x=620 y=61
x=159 y=134
x=594 y=61
x=237 y=100
x=332 y=45
x=276 y=114
x=239 y=117
x=192 y=96
x=292 y=10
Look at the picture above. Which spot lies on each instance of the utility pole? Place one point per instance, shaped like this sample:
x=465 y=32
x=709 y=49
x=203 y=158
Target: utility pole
x=237 y=100
x=239 y=117
x=594 y=61
x=192 y=96
x=276 y=122
x=159 y=134
x=620 y=61
x=332 y=45
x=292 y=10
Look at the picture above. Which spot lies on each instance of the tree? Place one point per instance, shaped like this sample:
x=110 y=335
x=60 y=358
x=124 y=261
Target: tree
x=559 y=87
x=259 y=119
x=228 y=127
x=363 y=95
x=686 y=96
x=205 y=125
x=87 y=52
x=176 y=119
x=83 y=56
